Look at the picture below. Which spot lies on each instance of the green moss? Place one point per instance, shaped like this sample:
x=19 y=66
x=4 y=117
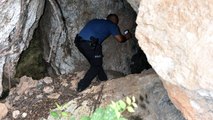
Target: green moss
x=31 y=62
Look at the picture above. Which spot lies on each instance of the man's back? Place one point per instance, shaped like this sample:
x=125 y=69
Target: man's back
x=99 y=28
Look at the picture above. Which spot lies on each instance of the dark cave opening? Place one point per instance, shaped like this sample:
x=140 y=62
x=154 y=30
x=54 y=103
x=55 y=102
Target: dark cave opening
x=139 y=62
x=32 y=61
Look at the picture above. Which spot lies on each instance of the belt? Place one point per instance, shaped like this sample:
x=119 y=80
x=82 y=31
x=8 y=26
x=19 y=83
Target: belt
x=80 y=39
x=92 y=42
x=84 y=41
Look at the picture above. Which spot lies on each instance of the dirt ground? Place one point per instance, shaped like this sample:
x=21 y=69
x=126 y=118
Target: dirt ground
x=36 y=103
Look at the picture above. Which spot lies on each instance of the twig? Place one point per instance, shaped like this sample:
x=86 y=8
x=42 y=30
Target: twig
x=97 y=102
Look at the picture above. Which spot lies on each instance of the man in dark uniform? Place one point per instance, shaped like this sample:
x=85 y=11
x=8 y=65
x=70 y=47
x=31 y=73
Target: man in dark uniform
x=89 y=40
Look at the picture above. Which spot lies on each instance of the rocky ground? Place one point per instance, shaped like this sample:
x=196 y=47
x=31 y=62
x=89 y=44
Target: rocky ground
x=32 y=100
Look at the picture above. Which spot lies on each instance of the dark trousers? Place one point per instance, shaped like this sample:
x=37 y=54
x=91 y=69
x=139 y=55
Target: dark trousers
x=93 y=53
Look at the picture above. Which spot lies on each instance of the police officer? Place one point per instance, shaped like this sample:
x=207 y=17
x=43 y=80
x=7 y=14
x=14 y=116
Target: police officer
x=89 y=40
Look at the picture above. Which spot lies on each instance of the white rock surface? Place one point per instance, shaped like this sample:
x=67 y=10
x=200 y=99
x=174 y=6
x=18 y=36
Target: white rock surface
x=177 y=37
x=3 y=110
x=48 y=80
x=16 y=114
x=54 y=96
x=24 y=115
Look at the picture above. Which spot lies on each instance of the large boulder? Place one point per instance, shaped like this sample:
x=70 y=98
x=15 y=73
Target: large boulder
x=177 y=38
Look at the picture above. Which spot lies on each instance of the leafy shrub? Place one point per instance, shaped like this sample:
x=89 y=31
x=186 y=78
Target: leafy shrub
x=111 y=112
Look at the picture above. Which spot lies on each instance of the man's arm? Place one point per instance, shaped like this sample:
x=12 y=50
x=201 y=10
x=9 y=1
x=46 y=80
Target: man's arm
x=123 y=38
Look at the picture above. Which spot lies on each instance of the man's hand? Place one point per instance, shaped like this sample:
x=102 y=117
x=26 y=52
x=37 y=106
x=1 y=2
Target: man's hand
x=128 y=35
x=123 y=38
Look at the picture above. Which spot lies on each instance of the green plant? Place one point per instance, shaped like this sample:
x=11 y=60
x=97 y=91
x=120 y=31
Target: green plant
x=60 y=112
x=111 y=112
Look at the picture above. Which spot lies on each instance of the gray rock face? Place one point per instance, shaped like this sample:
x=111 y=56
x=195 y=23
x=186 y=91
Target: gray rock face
x=135 y=4
x=18 y=19
x=61 y=22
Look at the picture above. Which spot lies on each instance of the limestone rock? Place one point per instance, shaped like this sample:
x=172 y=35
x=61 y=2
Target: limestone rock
x=16 y=114
x=48 y=89
x=177 y=39
x=26 y=83
x=64 y=83
x=54 y=96
x=48 y=80
x=134 y=4
x=3 y=110
x=18 y=19
x=24 y=115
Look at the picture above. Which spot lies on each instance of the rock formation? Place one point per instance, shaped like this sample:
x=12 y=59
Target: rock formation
x=152 y=99
x=60 y=22
x=147 y=87
x=177 y=39
x=18 y=20
x=59 y=27
x=175 y=35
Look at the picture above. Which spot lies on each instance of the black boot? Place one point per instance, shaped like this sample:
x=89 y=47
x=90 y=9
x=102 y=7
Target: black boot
x=82 y=86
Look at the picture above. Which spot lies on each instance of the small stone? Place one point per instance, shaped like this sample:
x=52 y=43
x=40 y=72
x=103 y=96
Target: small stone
x=24 y=115
x=26 y=83
x=30 y=93
x=40 y=85
x=48 y=80
x=64 y=83
x=54 y=96
x=39 y=96
x=16 y=114
x=3 y=111
x=48 y=89
x=17 y=98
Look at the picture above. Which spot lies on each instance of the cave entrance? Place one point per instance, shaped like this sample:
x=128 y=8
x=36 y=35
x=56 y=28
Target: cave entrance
x=33 y=60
